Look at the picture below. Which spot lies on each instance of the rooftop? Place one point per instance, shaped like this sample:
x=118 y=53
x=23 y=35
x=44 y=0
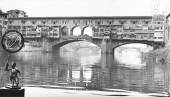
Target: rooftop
x=86 y=17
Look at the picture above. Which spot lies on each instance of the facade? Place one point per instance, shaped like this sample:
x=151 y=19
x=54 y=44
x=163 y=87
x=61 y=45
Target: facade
x=134 y=27
x=151 y=28
x=3 y=22
x=16 y=13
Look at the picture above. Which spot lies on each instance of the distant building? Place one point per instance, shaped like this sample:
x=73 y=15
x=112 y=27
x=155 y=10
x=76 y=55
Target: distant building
x=3 y=22
x=16 y=13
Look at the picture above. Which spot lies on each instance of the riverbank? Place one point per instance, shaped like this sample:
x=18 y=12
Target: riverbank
x=158 y=61
x=57 y=92
x=160 y=56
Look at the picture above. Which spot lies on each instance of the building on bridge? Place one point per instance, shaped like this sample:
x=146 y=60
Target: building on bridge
x=16 y=13
x=3 y=22
x=128 y=28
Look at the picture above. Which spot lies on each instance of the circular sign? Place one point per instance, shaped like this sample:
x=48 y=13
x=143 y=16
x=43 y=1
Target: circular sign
x=12 y=41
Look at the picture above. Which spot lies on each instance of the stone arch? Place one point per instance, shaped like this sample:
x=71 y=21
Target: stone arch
x=62 y=43
x=131 y=55
x=114 y=47
x=137 y=45
x=76 y=31
x=124 y=42
x=64 y=31
x=109 y=46
x=87 y=31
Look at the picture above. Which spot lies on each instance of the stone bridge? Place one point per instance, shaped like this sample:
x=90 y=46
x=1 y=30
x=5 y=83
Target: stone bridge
x=106 y=44
x=106 y=32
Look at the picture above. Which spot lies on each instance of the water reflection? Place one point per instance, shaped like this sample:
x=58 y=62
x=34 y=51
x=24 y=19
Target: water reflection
x=88 y=67
x=131 y=55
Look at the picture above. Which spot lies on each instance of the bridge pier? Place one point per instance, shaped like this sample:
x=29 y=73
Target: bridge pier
x=46 y=47
x=106 y=46
x=101 y=76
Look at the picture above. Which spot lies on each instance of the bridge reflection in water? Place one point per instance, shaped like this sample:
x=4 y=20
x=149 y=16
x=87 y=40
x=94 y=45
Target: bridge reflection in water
x=87 y=67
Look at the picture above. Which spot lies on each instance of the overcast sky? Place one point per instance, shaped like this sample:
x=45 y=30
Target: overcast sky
x=87 y=7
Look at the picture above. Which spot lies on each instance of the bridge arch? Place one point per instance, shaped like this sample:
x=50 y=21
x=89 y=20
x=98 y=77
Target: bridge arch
x=87 y=31
x=76 y=31
x=62 y=43
x=136 y=45
x=150 y=43
x=114 y=47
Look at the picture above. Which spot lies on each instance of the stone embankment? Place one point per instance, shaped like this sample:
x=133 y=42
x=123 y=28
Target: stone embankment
x=158 y=66
x=160 y=56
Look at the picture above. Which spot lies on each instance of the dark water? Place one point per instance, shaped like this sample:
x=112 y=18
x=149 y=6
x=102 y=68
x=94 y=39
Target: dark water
x=126 y=69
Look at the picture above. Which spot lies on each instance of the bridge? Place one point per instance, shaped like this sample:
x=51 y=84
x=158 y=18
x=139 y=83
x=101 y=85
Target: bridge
x=106 y=32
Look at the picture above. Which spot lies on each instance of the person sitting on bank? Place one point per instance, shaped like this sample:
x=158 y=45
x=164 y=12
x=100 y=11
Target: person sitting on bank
x=14 y=74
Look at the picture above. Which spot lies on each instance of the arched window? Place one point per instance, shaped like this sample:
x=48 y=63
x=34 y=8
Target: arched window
x=77 y=31
x=88 y=31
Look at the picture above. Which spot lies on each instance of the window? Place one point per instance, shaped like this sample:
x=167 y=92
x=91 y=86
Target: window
x=134 y=22
x=98 y=23
x=161 y=28
x=5 y=16
x=33 y=22
x=23 y=22
x=5 y=22
x=146 y=22
x=10 y=22
x=43 y=22
x=109 y=22
x=160 y=37
x=53 y=22
x=159 y=22
x=10 y=27
x=122 y=22
x=166 y=28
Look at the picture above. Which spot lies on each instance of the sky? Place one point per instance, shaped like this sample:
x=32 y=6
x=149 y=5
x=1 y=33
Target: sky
x=39 y=8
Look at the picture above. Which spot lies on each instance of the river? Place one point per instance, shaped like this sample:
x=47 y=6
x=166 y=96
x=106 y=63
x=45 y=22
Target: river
x=76 y=65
